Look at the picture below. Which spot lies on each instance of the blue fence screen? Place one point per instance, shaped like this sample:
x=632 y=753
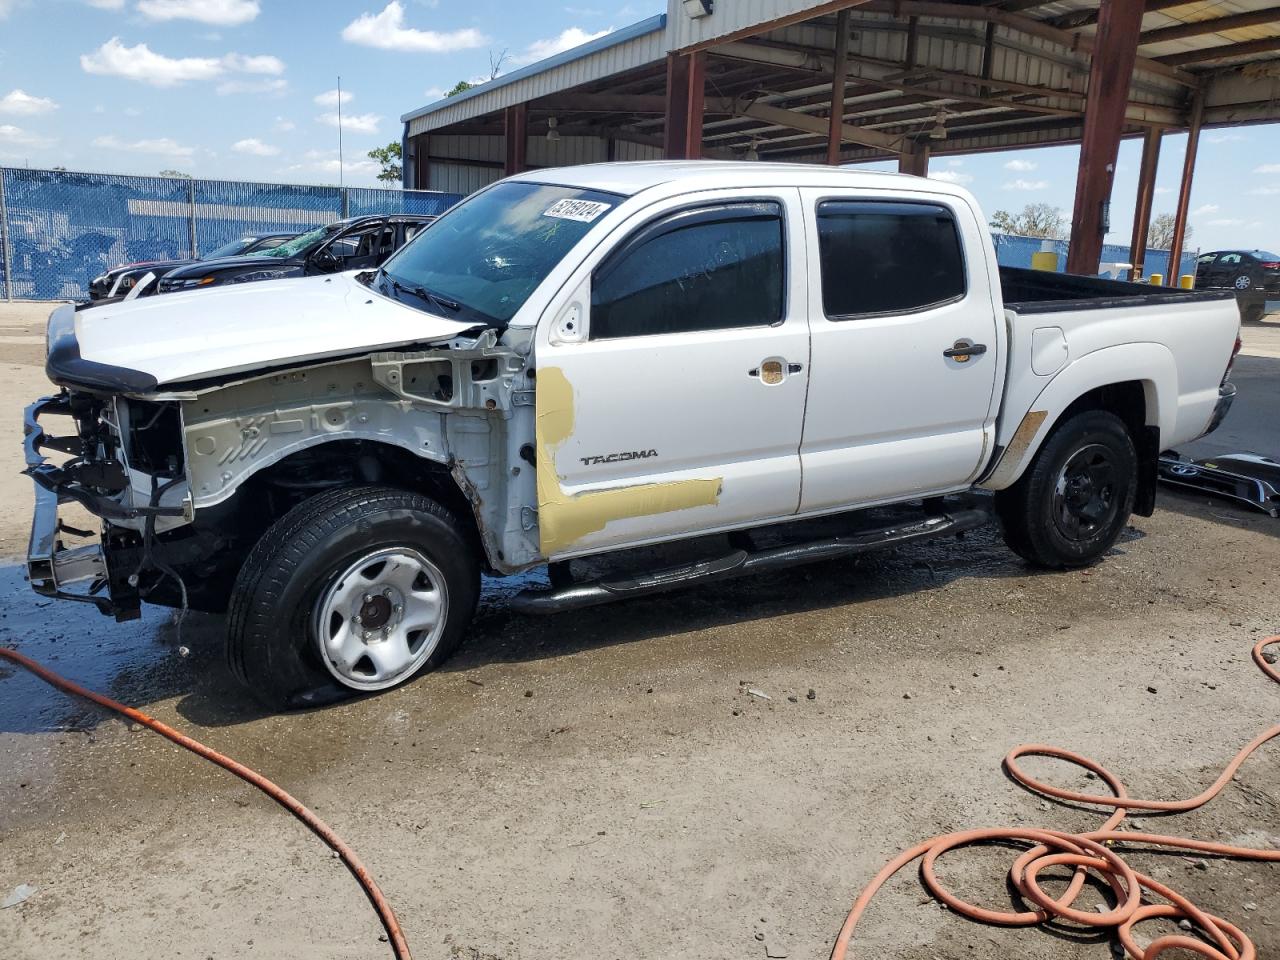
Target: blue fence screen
x=61 y=229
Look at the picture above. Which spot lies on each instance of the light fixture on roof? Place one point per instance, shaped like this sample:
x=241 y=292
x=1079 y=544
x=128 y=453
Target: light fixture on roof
x=697 y=9
x=939 y=131
x=553 y=135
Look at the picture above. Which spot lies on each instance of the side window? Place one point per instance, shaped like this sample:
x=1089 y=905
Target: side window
x=887 y=257
x=1229 y=259
x=708 y=268
x=1206 y=259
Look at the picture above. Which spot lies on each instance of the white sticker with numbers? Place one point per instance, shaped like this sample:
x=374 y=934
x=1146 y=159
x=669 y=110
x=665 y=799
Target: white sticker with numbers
x=584 y=211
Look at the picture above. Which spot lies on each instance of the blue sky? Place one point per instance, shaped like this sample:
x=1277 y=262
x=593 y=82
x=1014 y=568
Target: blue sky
x=245 y=89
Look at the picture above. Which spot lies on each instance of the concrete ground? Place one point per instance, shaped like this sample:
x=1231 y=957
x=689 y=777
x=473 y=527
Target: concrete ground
x=603 y=785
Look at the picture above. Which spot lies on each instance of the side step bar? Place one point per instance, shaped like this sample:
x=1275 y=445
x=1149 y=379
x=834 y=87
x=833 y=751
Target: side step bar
x=740 y=563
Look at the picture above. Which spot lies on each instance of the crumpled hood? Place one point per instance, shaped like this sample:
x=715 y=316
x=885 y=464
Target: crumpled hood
x=236 y=329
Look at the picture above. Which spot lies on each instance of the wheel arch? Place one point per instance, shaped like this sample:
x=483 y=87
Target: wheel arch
x=1138 y=382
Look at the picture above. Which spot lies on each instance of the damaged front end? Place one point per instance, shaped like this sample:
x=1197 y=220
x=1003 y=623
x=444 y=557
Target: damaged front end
x=122 y=464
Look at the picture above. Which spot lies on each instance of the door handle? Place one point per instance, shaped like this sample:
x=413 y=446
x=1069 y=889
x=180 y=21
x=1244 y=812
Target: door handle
x=773 y=371
x=963 y=350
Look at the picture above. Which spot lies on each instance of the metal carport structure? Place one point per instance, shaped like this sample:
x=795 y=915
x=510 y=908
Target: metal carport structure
x=916 y=78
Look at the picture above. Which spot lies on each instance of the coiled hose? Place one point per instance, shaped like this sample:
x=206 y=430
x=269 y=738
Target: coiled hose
x=1093 y=850
x=317 y=826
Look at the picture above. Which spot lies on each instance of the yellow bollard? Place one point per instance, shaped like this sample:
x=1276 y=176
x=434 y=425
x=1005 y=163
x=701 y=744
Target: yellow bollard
x=1187 y=281
x=1044 y=260
x=1157 y=279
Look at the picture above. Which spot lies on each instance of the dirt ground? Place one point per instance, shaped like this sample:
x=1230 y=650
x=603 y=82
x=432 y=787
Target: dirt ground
x=601 y=784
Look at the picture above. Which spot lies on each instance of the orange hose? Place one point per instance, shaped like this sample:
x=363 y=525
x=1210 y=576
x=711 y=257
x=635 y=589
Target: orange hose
x=1091 y=851
x=317 y=826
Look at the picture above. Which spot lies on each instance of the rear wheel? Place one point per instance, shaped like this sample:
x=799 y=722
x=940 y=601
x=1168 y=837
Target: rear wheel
x=351 y=592
x=1071 y=504
x=1243 y=282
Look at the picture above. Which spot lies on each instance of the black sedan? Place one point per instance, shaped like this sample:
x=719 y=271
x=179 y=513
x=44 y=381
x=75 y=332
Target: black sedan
x=354 y=244
x=1239 y=270
x=118 y=281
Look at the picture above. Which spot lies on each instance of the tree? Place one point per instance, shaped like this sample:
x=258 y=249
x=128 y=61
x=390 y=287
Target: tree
x=175 y=173
x=1035 y=220
x=388 y=158
x=462 y=86
x=1160 y=233
x=496 y=60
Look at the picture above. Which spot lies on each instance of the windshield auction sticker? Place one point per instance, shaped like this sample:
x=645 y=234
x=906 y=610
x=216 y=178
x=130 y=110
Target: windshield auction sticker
x=584 y=211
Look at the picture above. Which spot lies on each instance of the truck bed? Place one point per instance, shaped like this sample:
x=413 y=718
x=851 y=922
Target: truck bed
x=1038 y=291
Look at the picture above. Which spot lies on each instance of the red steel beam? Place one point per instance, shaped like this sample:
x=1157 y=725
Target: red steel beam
x=1146 y=193
x=840 y=74
x=1110 y=74
x=1184 y=190
x=686 y=92
x=515 y=138
x=1265 y=45
x=1199 y=28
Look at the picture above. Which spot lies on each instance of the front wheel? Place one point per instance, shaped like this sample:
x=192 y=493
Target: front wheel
x=1070 y=505
x=351 y=592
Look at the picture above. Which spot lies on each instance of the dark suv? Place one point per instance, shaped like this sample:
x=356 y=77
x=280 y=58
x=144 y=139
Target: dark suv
x=118 y=281
x=350 y=244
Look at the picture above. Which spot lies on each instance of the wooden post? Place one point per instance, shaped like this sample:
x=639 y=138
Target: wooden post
x=686 y=89
x=839 y=74
x=1142 y=209
x=1110 y=74
x=515 y=136
x=1184 y=190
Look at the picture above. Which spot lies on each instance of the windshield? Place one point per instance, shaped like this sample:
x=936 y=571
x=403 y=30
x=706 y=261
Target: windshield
x=229 y=249
x=488 y=254
x=299 y=244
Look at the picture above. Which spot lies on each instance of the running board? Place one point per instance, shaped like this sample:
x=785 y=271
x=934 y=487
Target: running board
x=740 y=563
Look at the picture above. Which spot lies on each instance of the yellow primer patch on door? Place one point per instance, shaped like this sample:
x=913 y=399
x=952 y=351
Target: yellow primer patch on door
x=564 y=519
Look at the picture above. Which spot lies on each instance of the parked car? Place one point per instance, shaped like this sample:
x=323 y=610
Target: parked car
x=344 y=245
x=118 y=281
x=579 y=361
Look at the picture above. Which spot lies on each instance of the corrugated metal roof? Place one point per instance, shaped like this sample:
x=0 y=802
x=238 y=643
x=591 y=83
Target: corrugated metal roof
x=615 y=52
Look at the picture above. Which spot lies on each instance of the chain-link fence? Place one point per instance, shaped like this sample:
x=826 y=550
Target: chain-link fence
x=59 y=229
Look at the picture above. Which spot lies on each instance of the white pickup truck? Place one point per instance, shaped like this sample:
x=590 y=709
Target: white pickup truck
x=580 y=361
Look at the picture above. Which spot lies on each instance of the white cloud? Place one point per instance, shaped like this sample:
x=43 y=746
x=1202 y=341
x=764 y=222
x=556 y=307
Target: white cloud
x=220 y=13
x=19 y=103
x=162 y=146
x=951 y=176
x=141 y=63
x=1021 y=166
x=1204 y=209
x=566 y=40
x=1266 y=191
x=1268 y=168
x=331 y=98
x=7 y=6
x=955 y=162
x=359 y=122
x=106 y=4
x=434 y=93
x=273 y=85
x=255 y=148
x=22 y=138
x=1226 y=138
x=386 y=31
x=1021 y=184
x=326 y=161
x=284 y=124
x=1160 y=190
x=1226 y=222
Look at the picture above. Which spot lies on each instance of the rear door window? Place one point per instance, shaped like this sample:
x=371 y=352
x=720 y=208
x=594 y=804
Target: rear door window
x=705 y=268
x=885 y=258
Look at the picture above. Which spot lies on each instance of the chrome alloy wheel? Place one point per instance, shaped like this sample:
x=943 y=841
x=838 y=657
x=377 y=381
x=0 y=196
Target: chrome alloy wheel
x=381 y=618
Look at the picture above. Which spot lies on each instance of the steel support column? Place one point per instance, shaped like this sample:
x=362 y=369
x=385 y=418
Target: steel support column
x=515 y=138
x=1110 y=75
x=915 y=161
x=840 y=74
x=1142 y=209
x=1184 y=190
x=686 y=88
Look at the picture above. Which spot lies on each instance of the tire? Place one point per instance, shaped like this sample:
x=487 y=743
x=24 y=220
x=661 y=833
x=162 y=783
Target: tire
x=1072 y=525
x=1243 y=282
x=349 y=552
x=1253 y=313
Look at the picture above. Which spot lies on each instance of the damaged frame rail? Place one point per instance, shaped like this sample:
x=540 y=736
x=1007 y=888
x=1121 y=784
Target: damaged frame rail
x=52 y=567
